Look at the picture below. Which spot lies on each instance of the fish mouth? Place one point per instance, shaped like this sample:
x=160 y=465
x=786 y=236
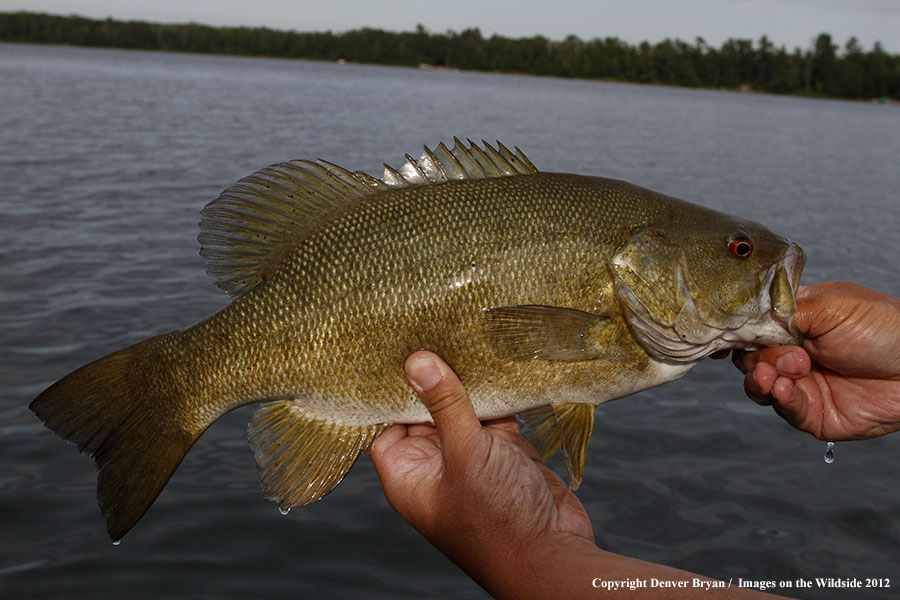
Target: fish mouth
x=692 y=337
x=778 y=300
x=777 y=304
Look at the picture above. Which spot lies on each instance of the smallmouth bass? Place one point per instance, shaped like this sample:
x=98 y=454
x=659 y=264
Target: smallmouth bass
x=547 y=293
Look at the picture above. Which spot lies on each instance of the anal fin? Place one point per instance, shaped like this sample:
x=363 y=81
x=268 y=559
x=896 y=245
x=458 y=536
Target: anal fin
x=301 y=457
x=561 y=426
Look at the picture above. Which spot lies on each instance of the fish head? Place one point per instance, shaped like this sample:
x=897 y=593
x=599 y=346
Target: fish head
x=714 y=282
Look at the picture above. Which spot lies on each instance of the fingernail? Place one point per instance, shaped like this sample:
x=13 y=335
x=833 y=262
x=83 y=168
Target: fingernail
x=787 y=364
x=423 y=373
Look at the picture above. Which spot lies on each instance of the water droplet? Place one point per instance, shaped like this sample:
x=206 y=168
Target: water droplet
x=116 y=542
x=829 y=452
x=284 y=511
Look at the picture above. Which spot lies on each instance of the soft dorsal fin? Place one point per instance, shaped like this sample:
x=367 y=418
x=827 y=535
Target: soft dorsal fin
x=251 y=225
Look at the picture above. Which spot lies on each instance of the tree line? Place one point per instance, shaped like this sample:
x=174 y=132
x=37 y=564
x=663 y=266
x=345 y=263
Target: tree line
x=823 y=69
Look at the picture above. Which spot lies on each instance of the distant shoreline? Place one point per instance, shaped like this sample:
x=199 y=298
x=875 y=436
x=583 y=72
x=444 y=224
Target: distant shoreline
x=890 y=101
x=740 y=65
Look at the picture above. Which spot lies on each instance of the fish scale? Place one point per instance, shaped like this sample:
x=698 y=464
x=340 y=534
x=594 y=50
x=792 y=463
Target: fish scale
x=547 y=293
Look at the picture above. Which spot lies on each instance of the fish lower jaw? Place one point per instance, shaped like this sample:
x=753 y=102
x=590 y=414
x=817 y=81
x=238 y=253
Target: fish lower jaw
x=669 y=347
x=773 y=332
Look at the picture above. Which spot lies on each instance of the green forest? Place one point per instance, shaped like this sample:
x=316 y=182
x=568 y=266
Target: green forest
x=823 y=69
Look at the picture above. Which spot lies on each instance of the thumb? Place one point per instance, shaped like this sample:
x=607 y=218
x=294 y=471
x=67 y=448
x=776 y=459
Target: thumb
x=447 y=401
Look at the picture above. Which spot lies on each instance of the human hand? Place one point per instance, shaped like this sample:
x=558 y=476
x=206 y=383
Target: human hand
x=479 y=493
x=844 y=383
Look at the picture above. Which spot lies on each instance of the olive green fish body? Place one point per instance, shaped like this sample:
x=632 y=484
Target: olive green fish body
x=547 y=293
x=416 y=268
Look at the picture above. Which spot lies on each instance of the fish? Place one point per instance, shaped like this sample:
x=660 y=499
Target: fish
x=547 y=293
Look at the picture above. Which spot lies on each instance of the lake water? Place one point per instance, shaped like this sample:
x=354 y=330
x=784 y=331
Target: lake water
x=107 y=157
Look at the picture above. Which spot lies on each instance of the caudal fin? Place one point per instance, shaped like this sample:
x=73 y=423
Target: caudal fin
x=115 y=411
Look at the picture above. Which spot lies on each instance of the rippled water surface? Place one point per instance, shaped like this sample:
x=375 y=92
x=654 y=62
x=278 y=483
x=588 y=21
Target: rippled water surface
x=107 y=158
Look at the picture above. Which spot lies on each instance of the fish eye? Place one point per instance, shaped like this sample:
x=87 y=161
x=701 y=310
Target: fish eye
x=740 y=246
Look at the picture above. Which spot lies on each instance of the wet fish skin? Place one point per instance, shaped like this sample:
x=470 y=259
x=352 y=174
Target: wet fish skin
x=547 y=293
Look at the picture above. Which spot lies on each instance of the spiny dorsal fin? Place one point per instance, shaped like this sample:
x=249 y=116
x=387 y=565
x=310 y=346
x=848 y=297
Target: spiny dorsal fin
x=247 y=230
x=443 y=164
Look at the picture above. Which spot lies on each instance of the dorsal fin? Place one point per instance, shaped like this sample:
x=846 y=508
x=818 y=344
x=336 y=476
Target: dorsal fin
x=251 y=225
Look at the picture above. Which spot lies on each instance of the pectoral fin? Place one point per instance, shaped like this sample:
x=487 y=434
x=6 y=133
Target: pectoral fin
x=546 y=332
x=561 y=426
x=302 y=457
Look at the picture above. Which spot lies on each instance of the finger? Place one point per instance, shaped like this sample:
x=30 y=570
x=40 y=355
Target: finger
x=421 y=429
x=740 y=359
x=758 y=383
x=787 y=401
x=386 y=440
x=447 y=401
x=788 y=361
x=765 y=387
x=505 y=423
x=825 y=306
x=812 y=305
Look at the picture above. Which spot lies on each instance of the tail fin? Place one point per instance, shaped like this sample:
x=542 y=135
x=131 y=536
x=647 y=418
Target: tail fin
x=113 y=410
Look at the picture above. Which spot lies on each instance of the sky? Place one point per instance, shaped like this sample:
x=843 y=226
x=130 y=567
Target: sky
x=792 y=23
